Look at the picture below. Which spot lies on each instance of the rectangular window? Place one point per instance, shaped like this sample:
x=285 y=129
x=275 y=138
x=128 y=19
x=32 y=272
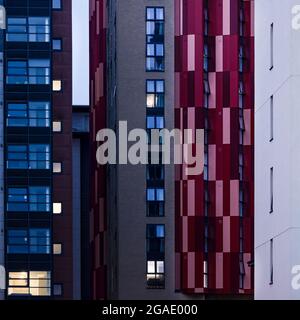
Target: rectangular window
x=271 y=118
x=155 y=172
x=57 y=208
x=57 y=248
x=33 y=71
x=32 y=199
x=271 y=262
x=29 y=283
x=271 y=190
x=33 y=114
x=56 y=44
x=57 y=127
x=33 y=241
x=56 y=4
x=33 y=156
x=271 y=46
x=155 y=39
x=31 y=29
x=155 y=256
x=155 y=202
x=155 y=94
x=56 y=85
x=57 y=167
x=57 y=289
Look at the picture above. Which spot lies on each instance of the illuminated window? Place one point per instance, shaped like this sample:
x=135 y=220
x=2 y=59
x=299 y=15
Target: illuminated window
x=29 y=283
x=57 y=126
x=57 y=207
x=57 y=167
x=57 y=248
x=155 y=274
x=155 y=93
x=56 y=85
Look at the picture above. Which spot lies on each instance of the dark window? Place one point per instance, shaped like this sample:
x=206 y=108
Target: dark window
x=155 y=202
x=33 y=114
x=32 y=29
x=28 y=199
x=33 y=156
x=33 y=71
x=33 y=241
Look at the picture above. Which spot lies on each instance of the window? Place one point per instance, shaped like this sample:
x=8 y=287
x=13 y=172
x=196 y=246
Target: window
x=271 y=46
x=57 y=126
x=33 y=156
x=206 y=21
x=57 y=289
x=155 y=274
x=57 y=44
x=29 y=283
x=57 y=208
x=271 y=118
x=242 y=21
x=271 y=190
x=56 y=85
x=57 y=248
x=155 y=39
x=33 y=114
x=205 y=274
x=57 y=167
x=33 y=241
x=34 y=199
x=32 y=29
x=155 y=172
x=155 y=94
x=242 y=59
x=155 y=202
x=271 y=262
x=56 y=4
x=154 y=122
x=155 y=256
x=205 y=57
x=33 y=71
x=242 y=271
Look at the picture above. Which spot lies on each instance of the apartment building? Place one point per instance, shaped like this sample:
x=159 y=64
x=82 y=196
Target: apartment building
x=277 y=149
x=41 y=230
x=157 y=233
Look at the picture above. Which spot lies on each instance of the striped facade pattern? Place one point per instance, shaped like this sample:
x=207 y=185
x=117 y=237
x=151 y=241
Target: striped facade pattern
x=214 y=214
x=97 y=122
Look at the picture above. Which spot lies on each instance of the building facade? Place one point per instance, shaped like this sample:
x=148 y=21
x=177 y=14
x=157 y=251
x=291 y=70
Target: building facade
x=155 y=232
x=277 y=150
x=214 y=91
x=44 y=227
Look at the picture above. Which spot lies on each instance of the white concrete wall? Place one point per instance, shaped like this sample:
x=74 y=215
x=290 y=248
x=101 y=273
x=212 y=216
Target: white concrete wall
x=283 y=153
